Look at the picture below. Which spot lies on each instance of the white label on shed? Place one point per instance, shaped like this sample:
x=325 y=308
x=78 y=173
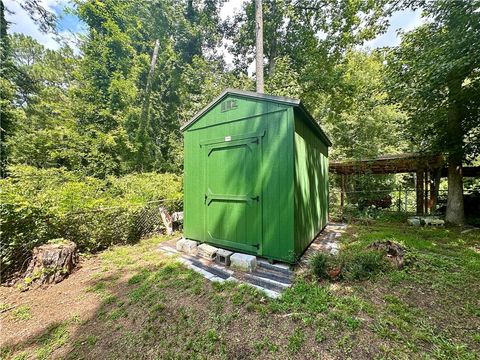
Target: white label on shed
x=228 y=138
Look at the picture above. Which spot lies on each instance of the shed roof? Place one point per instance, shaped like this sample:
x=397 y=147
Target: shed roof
x=259 y=96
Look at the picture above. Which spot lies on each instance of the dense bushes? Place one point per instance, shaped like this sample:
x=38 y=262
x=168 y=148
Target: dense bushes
x=39 y=205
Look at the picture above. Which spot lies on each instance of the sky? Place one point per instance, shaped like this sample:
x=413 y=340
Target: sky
x=70 y=25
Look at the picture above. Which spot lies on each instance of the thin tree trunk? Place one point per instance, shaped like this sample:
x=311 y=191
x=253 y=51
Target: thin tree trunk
x=273 y=44
x=144 y=125
x=259 y=44
x=272 y=57
x=455 y=211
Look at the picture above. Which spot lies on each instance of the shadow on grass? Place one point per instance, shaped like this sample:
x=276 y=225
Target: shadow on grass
x=152 y=307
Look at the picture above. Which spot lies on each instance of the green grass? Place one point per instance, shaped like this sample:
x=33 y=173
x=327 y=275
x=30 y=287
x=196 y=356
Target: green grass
x=55 y=337
x=296 y=340
x=5 y=306
x=22 y=313
x=156 y=307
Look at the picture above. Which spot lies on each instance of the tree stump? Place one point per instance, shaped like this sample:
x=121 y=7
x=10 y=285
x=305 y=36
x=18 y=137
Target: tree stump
x=167 y=220
x=51 y=263
x=393 y=251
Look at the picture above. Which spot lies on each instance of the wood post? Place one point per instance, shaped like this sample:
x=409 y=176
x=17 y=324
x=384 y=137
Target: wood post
x=426 y=193
x=399 y=199
x=342 y=193
x=419 y=185
x=434 y=186
x=406 y=200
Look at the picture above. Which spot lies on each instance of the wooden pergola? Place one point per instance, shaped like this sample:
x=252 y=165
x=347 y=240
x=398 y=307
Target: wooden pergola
x=429 y=169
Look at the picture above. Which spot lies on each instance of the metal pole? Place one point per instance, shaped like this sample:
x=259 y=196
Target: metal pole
x=406 y=200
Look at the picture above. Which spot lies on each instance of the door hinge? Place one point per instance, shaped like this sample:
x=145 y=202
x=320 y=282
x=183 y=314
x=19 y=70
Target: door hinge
x=257 y=198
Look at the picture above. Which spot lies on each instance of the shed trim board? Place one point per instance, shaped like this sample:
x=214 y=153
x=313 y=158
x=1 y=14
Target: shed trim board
x=255 y=176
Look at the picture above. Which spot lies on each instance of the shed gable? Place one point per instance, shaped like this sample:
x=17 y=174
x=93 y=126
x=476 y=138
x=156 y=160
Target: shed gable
x=233 y=105
x=230 y=108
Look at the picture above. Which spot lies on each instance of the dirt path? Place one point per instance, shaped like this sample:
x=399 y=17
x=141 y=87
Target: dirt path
x=49 y=305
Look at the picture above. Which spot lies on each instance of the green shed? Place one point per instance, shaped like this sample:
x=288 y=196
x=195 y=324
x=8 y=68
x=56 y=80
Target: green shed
x=256 y=175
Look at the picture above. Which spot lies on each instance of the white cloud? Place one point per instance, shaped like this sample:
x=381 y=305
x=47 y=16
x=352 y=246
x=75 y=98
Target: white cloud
x=230 y=7
x=405 y=20
x=20 y=22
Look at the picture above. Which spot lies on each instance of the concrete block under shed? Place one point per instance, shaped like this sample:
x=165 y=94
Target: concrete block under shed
x=223 y=257
x=243 y=262
x=189 y=247
x=207 y=251
x=413 y=222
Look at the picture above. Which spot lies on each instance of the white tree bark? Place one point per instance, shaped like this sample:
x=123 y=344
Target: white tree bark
x=259 y=44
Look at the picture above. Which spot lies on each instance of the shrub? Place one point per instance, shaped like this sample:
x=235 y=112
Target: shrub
x=37 y=205
x=142 y=188
x=325 y=266
x=319 y=264
x=363 y=264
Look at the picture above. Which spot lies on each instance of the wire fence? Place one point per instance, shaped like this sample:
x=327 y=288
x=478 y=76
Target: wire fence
x=400 y=200
x=23 y=228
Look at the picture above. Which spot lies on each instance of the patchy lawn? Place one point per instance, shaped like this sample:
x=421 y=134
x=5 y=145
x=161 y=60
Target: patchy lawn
x=132 y=302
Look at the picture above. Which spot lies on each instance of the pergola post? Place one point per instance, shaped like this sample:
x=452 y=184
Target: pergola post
x=426 y=211
x=419 y=185
x=435 y=176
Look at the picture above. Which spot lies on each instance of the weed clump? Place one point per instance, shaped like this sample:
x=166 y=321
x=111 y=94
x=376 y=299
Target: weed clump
x=363 y=264
x=359 y=265
x=325 y=266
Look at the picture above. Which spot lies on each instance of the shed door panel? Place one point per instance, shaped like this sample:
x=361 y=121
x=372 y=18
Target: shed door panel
x=232 y=198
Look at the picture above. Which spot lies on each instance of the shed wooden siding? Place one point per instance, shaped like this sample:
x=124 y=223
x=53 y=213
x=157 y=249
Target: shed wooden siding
x=277 y=211
x=311 y=185
x=276 y=172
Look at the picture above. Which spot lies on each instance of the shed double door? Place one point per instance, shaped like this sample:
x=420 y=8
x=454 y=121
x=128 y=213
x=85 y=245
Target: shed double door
x=233 y=201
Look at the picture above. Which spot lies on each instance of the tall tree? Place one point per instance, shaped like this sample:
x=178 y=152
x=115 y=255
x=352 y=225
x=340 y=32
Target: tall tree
x=112 y=97
x=144 y=128
x=435 y=76
x=259 y=45
x=8 y=90
x=307 y=31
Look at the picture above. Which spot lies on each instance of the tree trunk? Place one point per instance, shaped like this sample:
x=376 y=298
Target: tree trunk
x=259 y=45
x=455 y=212
x=144 y=125
x=273 y=44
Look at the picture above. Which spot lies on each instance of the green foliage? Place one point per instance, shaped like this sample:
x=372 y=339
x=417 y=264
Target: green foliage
x=357 y=111
x=22 y=312
x=40 y=205
x=296 y=340
x=84 y=112
x=285 y=80
x=433 y=74
x=321 y=263
x=361 y=265
x=352 y=265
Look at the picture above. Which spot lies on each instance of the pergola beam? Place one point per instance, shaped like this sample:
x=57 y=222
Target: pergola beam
x=428 y=169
